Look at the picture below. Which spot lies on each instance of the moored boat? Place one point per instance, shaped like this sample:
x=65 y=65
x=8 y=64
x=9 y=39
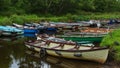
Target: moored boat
x=67 y=49
x=30 y=31
x=85 y=34
x=91 y=37
x=10 y=31
x=79 y=39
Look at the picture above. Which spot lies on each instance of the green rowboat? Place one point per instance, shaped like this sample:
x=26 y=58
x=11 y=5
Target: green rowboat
x=79 y=39
x=92 y=39
x=79 y=36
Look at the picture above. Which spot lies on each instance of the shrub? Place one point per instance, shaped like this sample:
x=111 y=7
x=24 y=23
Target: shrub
x=5 y=21
x=17 y=19
x=112 y=40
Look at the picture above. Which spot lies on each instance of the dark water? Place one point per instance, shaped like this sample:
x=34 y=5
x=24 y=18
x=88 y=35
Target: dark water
x=13 y=54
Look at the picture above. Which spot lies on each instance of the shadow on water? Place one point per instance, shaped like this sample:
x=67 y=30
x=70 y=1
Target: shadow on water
x=13 y=54
x=57 y=62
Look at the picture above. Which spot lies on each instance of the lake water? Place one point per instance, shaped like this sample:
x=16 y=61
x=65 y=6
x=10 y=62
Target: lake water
x=13 y=54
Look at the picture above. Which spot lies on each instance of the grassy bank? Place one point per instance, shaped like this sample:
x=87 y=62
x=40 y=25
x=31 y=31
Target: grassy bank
x=20 y=19
x=113 y=41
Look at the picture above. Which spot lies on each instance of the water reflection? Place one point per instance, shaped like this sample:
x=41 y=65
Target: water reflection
x=5 y=38
x=55 y=62
x=13 y=54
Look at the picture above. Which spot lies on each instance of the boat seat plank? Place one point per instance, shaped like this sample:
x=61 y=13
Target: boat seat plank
x=52 y=45
x=56 y=47
x=84 y=48
x=40 y=44
x=68 y=47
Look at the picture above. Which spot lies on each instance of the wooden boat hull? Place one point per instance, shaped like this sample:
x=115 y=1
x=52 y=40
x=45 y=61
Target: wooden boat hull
x=78 y=39
x=61 y=62
x=33 y=48
x=5 y=33
x=30 y=32
x=27 y=30
x=10 y=31
x=97 y=55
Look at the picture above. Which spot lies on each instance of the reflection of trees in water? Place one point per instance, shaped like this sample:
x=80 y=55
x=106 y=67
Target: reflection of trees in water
x=11 y=40
x=55 y=62
x=32 y=62
x=13 y=53
x=5 y=58
x=8 y=49
x=16 y=48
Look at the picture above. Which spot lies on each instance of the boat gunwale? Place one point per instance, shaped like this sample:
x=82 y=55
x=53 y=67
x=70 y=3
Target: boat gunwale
x=87 y=50
x=79 y=37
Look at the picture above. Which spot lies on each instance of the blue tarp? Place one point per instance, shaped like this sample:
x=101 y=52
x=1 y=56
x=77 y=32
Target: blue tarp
x=30 y=31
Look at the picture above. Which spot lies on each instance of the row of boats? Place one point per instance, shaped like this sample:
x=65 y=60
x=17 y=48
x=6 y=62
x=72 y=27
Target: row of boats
x=69 y=31
x=72 y=41
x=68 y=40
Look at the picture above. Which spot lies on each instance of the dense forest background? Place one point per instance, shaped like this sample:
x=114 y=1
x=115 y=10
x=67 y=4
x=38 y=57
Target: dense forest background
x=21 y=11
x=57 y=7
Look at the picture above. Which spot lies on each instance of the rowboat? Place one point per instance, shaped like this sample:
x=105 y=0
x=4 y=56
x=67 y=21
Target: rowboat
x=85 y=34
x=92 y=37
x=68 y=49
x=17 y=25
x=10 y=31
x=78 y=39
x=64 y=24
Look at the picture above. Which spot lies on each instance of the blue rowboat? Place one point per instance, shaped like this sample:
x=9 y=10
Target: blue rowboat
x=10 y=31
x=30 y=32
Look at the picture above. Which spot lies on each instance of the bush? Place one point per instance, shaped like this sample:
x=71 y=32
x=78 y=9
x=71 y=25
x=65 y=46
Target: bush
x=20 y=19
x=117 y=56
x=5 y=21
x=112 y=40
x=17 y=19
x=31 y=18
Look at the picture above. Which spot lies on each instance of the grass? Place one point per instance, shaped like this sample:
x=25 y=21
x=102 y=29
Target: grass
x=113 y=41
x=20 y=19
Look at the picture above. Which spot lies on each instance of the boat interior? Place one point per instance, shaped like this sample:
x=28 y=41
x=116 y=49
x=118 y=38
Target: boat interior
x=61 y=45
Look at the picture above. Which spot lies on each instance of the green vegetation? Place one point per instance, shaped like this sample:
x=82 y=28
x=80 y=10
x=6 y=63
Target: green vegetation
x=113 y=41
x=57 y=7
x=20 y=19
x=20 y=11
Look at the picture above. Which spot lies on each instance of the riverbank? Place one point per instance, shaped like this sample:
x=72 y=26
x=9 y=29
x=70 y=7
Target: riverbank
x=20 y=19
x=112 y=41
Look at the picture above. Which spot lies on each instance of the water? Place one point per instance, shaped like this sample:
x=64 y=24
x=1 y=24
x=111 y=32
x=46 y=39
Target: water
x=13 y=54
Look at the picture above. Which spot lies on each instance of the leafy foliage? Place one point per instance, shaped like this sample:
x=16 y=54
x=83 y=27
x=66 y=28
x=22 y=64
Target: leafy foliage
x=113 y=41
x=20 y=19
x=57 y=7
